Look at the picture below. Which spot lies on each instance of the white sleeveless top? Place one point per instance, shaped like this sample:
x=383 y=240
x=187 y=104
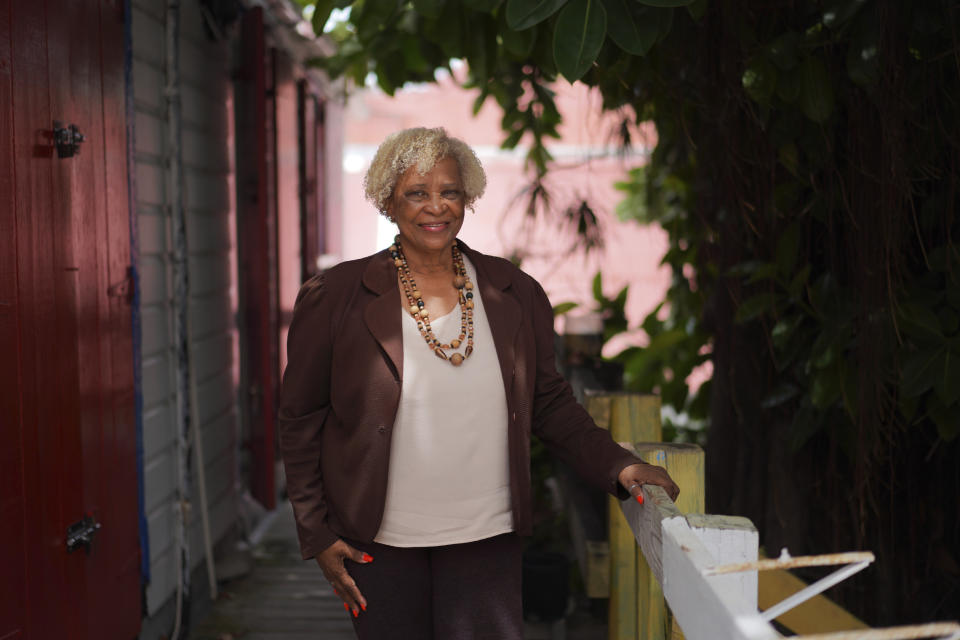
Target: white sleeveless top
x=448 y=480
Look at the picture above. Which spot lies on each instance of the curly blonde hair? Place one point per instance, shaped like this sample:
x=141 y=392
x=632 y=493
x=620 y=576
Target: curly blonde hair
x=421 y=148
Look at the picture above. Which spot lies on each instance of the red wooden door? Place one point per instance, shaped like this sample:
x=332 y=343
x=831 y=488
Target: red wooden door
x=312 y=171
x=257 y=252
x=66 y=370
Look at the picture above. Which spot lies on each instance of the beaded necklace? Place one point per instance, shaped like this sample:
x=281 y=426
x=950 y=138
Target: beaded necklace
x=461 y=281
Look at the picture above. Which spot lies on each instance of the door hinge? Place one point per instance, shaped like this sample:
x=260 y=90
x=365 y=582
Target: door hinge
x=81 y=533
x=67 y=139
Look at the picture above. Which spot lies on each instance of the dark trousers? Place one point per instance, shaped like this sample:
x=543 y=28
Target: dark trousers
x=456 y=592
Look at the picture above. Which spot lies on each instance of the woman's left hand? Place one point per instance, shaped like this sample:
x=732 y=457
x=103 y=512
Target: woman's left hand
x=635 y=475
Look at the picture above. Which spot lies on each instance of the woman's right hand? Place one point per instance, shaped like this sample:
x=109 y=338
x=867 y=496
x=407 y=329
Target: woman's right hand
x=331 y=563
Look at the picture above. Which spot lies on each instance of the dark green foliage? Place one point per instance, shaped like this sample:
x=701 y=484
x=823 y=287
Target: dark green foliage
x=580 y=31
x=807 y=172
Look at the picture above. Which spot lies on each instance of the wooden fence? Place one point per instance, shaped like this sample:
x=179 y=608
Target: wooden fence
x=675 y=572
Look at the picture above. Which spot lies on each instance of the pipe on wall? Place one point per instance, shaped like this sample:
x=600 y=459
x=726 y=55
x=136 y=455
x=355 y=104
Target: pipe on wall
x=186 y=392
x=174 y=176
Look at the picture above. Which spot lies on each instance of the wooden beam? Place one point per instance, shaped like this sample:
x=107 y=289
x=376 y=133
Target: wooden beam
x=645 y=521
x=685 y=464
x=630 y=417
x=945 y=630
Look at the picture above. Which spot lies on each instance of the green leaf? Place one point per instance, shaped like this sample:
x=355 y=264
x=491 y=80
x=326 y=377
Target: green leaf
x=321 y=13
x=850 y=386
x=447 y=31
x=826 y=388
x=519 y=44
x=755 y=306
x=652 y=324
x=765 y=271
x=512 y=139
x=759 y=80
x=480 y=100
x=746 y=268
x=487 y=6
x=620 y=302
x=481 y=47
x=863 y=54
x=816 y=92
x=806 y=422
x=598 y=287
x=949 y=320
x=371 y=16
x=946 y=418
x=779 y=395
x=839 y=12
x=697 y=9
x=948 y=382
x=633 y=30
x=784 y=49
x=664 y=16
x=523 y=14
x=788 y=248
x=919 y=320
x=799 y=281
x=788 y=85
x=788 y=156
x=429 y=8
x=783 y=332
x=666 y=3
x=580 y=31
x=413 y=58
x=921 y=371
x=564 y=307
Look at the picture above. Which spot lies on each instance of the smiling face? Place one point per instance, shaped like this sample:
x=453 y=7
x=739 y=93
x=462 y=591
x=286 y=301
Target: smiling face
x=428 y=209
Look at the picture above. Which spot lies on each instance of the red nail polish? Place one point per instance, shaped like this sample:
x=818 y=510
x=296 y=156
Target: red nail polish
x=367 y=557
x=346 y=607
x=640 y=498
x=355 y=614
x=364 y=607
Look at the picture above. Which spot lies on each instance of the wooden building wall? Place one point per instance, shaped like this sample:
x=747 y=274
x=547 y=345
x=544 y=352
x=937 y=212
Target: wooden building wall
x=207 y=155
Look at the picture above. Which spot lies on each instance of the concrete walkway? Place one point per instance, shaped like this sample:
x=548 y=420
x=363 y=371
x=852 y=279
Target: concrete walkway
x=286 y=598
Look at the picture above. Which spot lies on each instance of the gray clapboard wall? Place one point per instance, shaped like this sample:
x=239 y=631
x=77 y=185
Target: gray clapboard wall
x=208 y=185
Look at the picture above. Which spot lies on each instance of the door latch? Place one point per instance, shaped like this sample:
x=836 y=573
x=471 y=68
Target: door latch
x=67 y=139
x=81 y=533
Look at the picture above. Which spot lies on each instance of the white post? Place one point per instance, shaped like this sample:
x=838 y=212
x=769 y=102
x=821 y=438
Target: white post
x=731 y=540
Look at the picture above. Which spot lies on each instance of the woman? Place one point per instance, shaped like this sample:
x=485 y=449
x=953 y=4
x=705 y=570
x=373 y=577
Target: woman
x=414 y=381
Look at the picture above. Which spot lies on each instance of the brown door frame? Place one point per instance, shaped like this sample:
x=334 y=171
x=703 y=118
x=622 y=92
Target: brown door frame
x=257 y=255
x=312 y=173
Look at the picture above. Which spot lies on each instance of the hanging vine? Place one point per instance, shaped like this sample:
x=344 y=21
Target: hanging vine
x=806 y=171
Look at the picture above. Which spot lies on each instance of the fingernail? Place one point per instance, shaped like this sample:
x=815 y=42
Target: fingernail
x=364 y=607
x=367 y=557
x=355 y=613
x=640 y=498
x=346 y=607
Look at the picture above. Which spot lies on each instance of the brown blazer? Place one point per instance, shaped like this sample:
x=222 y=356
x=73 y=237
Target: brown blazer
x=341 y=390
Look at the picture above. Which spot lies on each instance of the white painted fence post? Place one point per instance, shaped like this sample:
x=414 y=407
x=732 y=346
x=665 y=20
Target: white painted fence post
x=730 y=540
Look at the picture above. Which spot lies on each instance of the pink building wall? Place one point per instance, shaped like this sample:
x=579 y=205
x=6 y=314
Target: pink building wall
x=585 y=170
